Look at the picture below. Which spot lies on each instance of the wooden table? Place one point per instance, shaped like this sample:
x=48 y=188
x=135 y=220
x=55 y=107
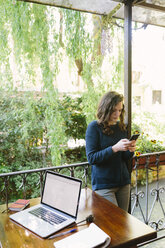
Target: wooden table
x=124 y=229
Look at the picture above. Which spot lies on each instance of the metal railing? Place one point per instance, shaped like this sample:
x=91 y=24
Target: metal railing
x=21 y=178
x=150 y=162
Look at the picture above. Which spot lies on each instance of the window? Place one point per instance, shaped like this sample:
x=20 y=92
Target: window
x=156 y=96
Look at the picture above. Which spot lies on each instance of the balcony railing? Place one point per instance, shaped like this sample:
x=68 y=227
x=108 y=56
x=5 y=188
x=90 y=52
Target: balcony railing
x=149 y=198
x=21 y=178
x=151 y=162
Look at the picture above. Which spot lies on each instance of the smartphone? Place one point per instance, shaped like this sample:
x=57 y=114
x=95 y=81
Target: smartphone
x=134 y=136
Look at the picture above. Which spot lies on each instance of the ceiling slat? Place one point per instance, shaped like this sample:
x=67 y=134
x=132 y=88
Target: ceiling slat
x=144 y=11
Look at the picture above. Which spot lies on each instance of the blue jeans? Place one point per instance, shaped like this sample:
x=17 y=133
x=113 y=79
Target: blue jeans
x=119 y=196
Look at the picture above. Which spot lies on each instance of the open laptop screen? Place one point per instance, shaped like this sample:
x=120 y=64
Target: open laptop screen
x=62 y=193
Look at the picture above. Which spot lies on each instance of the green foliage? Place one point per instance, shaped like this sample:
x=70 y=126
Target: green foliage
x=147 y=145
x=72 y=155
x=20 y=133
x=74 y=117
x=90 y=102
x=146 y=125
x=26 y=139
x=55 y=126
x=151 y=138
x=36 y=58
x=78 y=42
x=108 y=20
x=27 y=131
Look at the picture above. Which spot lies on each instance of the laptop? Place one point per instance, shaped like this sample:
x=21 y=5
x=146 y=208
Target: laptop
x=58 y=207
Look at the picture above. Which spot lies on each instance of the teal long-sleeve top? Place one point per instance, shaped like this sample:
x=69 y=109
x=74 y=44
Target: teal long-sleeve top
x=109 y=169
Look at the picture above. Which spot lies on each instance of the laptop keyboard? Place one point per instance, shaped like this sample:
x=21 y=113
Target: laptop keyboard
x=48 y=216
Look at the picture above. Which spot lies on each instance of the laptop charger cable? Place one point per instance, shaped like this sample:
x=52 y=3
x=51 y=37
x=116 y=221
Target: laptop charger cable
x=88 y=219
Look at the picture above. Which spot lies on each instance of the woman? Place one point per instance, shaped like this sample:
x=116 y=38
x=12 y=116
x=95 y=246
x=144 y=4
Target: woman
x=108 y=151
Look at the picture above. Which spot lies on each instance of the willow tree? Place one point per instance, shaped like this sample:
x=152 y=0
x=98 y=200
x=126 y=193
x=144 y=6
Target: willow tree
x=32 y=37
x=88 y=47
x=25 y=37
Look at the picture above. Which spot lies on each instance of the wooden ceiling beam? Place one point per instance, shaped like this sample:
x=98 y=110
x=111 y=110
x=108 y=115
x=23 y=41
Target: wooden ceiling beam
x=151 y=6
x=62 y=4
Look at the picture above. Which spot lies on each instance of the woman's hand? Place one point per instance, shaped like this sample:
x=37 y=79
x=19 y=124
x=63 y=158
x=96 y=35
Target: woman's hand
x=132 y=146
x=124 y=145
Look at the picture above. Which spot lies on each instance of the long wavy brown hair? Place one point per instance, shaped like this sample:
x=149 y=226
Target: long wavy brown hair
x=105 y=109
